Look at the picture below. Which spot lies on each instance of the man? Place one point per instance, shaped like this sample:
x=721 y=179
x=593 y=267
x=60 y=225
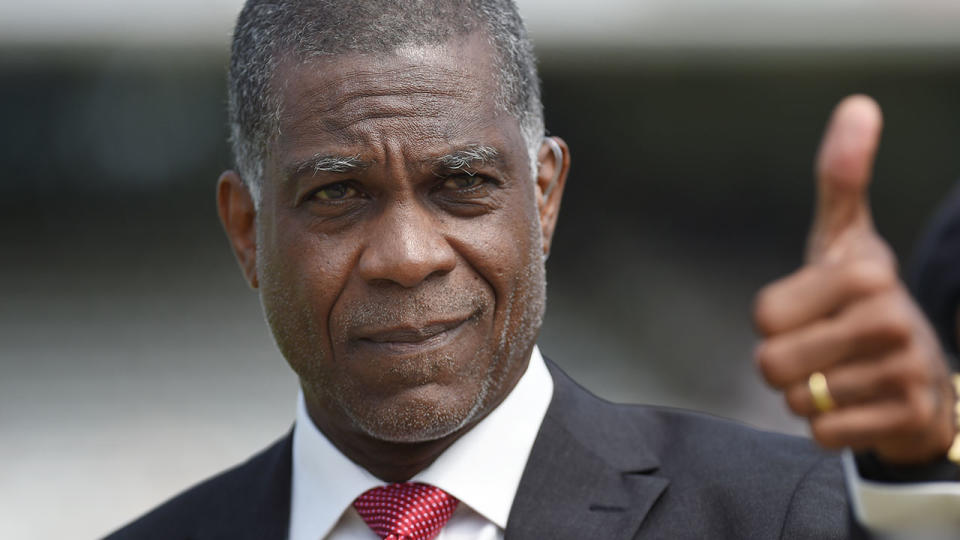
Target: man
x=394 y=202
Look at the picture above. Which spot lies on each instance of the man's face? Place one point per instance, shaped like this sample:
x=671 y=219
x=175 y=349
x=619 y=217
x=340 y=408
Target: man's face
x=398 y=243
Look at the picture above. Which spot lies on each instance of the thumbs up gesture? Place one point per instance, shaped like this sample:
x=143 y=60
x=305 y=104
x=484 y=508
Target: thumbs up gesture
x=842 y=338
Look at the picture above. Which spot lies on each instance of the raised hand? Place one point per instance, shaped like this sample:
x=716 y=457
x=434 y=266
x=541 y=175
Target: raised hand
x=845 y=319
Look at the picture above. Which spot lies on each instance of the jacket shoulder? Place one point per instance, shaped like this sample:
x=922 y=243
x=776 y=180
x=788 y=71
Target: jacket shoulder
x=726 y=479
x=250 y=500
x=693 y=439
x=748 y=482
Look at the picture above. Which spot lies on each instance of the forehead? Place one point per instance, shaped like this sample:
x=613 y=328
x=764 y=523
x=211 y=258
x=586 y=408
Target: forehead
x=438 y=92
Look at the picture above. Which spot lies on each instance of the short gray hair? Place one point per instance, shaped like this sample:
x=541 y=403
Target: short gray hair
x=267 y=30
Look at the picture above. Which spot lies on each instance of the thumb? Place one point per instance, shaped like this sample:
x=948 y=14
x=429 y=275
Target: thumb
x=843 y=170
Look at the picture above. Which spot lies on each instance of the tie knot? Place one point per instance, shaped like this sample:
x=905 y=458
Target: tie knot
x=409 y=511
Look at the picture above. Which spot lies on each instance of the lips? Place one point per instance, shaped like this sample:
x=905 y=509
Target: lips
x=407 y=338
x=412 y=333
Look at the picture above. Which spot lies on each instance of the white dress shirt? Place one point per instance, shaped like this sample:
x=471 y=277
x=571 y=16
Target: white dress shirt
x=482 y=469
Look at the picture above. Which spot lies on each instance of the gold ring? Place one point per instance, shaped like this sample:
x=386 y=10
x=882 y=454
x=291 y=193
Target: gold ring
x=822 y=399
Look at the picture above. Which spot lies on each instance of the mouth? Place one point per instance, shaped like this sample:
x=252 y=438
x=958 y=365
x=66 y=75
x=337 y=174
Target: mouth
x=411 y=338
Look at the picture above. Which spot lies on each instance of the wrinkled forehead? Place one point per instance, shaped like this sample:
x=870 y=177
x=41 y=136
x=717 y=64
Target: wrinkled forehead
x=441 y=81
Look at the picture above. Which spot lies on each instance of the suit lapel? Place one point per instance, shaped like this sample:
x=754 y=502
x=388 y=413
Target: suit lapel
x=587 y=476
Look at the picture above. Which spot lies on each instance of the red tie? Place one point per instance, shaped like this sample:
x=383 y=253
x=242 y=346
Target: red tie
x=406 y=511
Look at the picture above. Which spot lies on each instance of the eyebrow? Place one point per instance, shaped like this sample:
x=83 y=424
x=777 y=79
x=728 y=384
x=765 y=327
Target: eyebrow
x=469 y=157
x=326 y=163
x=463 y=159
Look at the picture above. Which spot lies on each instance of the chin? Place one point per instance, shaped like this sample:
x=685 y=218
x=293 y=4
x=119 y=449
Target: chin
x=419 y=419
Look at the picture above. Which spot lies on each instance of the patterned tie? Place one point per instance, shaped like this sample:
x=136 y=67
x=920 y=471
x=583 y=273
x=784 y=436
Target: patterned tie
x=406 y=511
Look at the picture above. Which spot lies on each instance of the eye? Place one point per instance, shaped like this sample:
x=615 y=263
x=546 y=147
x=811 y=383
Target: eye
x=464 y=194
x=335 y=192
x=463 y=181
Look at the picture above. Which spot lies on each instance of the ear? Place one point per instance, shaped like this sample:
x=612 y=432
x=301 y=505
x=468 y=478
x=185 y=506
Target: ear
x=238 y=214
x=553 y=164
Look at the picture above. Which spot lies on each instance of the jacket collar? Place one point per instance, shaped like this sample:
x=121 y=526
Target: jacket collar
x=587 y=476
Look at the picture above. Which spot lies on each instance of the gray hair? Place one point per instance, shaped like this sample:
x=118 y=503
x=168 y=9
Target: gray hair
x=269 y=29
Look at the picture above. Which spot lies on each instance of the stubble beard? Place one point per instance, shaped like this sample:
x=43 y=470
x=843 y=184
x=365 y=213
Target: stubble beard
x=422 y=421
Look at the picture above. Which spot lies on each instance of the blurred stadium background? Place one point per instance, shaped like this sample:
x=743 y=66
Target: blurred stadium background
x=134 y=361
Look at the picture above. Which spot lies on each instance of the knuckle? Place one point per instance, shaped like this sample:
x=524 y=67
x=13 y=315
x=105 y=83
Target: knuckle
x=769 y=361
x=869 y=276
x=917 y=371
x=824 y=434
x=888 y=380
x=846 y=331
x=911 y=375
x=796 y=402
x=897 y=428
x=894 y=323
x=765 y=312
x=921 y=409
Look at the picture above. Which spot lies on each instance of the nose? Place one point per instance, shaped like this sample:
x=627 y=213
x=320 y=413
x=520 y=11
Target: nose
x=405 y=247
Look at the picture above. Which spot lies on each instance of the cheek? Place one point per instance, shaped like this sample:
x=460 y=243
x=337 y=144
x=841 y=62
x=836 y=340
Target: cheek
x=505 y=251
x=301 y=277
x=503 y=247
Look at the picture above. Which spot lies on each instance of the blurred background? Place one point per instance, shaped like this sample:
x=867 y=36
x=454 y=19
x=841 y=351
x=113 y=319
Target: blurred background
x=134 y=361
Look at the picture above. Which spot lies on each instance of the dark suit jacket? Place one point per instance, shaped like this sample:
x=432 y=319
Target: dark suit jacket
x=935 y=273
x=597 y=471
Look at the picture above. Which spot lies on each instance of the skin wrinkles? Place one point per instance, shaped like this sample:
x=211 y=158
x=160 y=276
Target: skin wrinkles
x=409 y=305
x=401 y=82
x=358 y=100
x=349 y=124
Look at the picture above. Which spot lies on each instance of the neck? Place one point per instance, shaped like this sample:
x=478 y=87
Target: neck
x=389 y=461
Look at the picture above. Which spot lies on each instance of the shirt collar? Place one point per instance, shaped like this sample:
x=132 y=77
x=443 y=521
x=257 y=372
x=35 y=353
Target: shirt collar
x=482 y=468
